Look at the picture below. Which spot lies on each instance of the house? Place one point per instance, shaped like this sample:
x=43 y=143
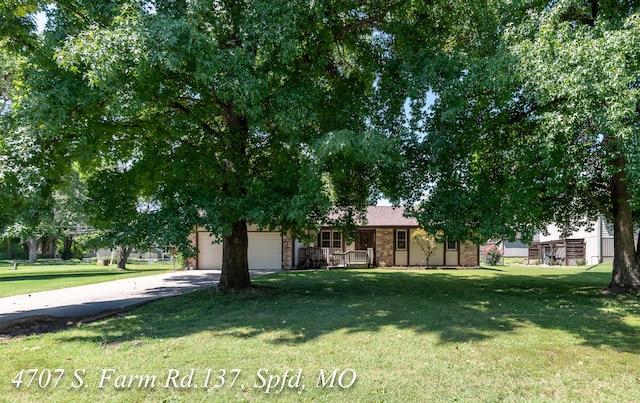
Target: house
x=387 y=235
x=516 y=249
x=588 y=245
x=384 y=239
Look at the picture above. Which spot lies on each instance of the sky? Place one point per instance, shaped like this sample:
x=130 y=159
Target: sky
x=41 y=20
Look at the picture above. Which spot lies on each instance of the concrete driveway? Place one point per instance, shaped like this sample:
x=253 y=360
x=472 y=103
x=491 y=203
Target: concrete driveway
x=114 y=295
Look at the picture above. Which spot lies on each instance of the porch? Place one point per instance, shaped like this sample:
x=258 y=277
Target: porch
x=315 y=257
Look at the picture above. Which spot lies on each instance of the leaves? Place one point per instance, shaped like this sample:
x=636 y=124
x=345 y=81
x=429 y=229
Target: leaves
x=527 y=118
x=203 y=114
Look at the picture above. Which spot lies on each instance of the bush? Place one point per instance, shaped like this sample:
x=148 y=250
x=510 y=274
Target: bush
x=493 y=256
x=67 y=255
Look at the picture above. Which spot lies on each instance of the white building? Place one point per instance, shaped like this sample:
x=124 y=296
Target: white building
x=591 y=245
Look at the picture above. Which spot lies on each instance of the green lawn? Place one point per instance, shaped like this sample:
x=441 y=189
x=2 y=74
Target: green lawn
x=50 y=275
x=509 y=333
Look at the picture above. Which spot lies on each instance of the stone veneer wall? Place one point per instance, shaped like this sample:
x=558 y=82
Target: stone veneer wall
x=468 y=254
x=287 y=252
x=384 y=247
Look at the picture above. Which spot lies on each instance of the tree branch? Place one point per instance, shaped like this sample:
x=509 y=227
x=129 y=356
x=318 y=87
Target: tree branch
x=74 y=11
x=183 y=109
x=599 y=205
x=370 y=22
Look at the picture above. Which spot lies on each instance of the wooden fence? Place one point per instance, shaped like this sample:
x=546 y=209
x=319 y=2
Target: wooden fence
x=559 y=252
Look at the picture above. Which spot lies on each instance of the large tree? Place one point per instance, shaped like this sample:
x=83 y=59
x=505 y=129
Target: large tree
x=219 y=113
x=534 y=120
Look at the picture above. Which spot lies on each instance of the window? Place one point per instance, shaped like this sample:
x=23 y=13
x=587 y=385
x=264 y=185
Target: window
x=401 y=239
x=337 y=240
x=330 y=239
x=452 y=245
x=325 y=239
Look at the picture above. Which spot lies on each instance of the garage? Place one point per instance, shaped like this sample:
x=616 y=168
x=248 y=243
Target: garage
x=265 y=251
x=209 y=255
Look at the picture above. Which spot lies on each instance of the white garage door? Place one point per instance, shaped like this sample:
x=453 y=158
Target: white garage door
x=265 y=251
x=209 y=255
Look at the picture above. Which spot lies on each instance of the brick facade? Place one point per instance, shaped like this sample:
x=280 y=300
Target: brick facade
x=468 y=254
x=384 y=247
x=287 y=252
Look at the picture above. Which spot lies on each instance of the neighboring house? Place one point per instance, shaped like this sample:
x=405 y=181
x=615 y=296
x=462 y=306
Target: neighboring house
x=515 y=248
x=591 y=246
x=384 y=240
x=150 y=254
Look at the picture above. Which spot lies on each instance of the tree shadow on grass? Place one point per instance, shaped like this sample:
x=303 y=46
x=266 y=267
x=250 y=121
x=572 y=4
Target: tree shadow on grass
x=302 y=306
x=48 y=276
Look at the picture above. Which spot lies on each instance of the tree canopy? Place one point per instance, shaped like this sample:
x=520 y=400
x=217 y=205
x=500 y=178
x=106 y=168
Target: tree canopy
x=215 y=113
x=535 y=121
x=490 y=119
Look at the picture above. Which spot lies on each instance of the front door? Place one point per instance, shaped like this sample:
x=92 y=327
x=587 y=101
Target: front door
x=366 y=240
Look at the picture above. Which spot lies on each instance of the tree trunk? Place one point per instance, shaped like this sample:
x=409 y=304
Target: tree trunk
x=66 y=249
x=32 y=243
x=49 y=247
x=53 y=246
x=626 y=265
x=235 y=263
x=125 y=251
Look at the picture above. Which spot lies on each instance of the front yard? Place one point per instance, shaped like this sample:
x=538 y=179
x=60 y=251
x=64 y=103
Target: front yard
x=503 y=333
x=49 y=275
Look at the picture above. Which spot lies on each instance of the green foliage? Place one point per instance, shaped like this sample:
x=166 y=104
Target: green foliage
x=182 y=115
x=528 y=114
x=493 y=256
x=12 y=249
x=527 y=118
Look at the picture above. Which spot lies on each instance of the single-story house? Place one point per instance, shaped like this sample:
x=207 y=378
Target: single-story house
x=386 y=234
x=384 y=239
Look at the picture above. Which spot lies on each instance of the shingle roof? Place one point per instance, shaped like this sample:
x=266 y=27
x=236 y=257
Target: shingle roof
x=387 y=216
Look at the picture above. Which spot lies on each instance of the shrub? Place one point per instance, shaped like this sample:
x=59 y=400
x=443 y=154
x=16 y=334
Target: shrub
x=493 y=256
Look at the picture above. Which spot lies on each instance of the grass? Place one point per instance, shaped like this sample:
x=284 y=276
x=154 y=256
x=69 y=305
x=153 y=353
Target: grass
x=509 y=333
x=50 y=275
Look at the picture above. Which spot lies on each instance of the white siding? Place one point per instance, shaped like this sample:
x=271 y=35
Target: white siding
x=209 y=255
x=264 y=251
x=417 y=258
x=598 y=240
